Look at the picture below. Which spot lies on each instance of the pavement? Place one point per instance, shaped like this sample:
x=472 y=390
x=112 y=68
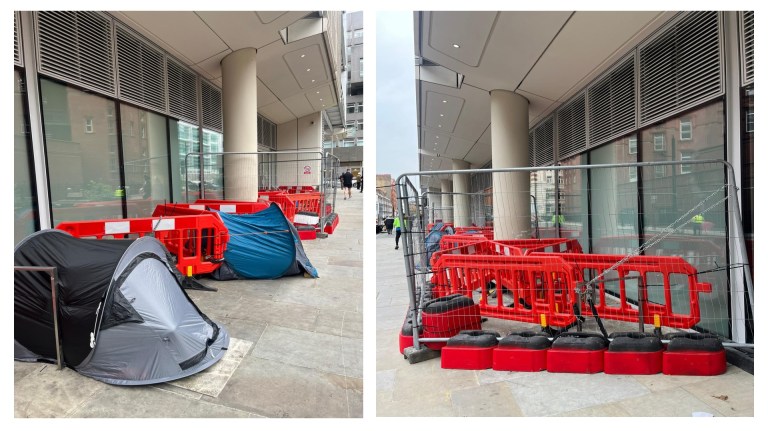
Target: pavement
x=425 y=389
x=296 y=349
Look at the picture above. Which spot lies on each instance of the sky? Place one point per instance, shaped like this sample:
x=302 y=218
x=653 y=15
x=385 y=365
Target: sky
x=396 y=133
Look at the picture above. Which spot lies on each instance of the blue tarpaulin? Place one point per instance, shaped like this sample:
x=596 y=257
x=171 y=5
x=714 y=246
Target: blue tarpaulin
x=264 y=245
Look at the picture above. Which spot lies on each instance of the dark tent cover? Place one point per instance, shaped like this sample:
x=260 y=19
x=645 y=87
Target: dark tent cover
x=264 y=245
x=124 y=317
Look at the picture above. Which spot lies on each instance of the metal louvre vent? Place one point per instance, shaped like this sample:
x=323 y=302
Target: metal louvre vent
x=182 y=92
x=612 y=104
x=140 y=71
x=572 y=127
x=544 y=143
x=77 y=47
x=211 y=107
x=681 y=67
x=747 y=47
x=16 y=41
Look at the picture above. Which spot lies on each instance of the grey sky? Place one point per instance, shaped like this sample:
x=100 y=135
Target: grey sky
x=396 y=134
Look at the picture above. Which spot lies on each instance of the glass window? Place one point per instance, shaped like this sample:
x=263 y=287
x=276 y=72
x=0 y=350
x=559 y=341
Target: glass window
x=146 y=161
x=360 y=107
x=685 y=156
x=686 y=130
x=613 y=200
x=351 y=128
x=350 y=108
x=88 y=124
x=213 y=166
x=667 y=203
x=111 y=125
x=750 y=120
x=361 y=67
x=358 y=33
x=632 y=144
x=359 y=142
x=24 y=202
x=186 y=182
x=360 y=125
x=659 y=171
x=349 y=142
x=82 y=167
x=658 y=142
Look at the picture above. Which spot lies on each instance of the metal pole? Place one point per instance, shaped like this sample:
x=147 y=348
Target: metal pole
x=52 y=274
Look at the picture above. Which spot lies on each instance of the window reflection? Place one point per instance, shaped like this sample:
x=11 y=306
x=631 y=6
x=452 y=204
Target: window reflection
x=83 y=162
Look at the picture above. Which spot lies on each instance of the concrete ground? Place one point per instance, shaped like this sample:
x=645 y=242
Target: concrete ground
x=296 y=350
x=425 y=389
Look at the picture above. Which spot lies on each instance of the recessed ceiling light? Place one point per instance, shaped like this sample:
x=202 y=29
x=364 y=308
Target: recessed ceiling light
x=442 y=115
x=317 y=92
x=321 y=100
x=308 y=70
x=313 y=80
x=439 y=125
x=456 y=45
x=445 y=101
x=303 y=55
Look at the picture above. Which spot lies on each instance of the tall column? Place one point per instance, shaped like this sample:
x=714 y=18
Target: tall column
x=461 y=202
x=239 y=82
x=509 y=149
x=446 y=210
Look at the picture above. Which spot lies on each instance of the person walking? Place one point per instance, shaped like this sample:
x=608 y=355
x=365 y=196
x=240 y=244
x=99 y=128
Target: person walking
x=389 y=223
x=360 y=183
x=346 y=184
x=396 y=225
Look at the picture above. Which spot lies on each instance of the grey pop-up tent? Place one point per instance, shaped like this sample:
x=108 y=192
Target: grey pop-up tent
x=123 y=315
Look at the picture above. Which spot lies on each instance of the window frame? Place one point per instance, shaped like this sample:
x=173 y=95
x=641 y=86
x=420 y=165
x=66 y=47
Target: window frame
x=656 y=147
x=689 y=132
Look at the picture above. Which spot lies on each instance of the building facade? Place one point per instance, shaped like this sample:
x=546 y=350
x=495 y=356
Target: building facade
x=349 y=146
x=589 y=88
x=109 y=106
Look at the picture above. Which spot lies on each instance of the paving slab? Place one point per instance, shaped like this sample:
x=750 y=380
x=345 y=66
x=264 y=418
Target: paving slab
x=277 y=389
x=212 y=380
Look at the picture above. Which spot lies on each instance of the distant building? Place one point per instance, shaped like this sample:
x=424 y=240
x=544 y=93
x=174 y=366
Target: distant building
x=348 y=146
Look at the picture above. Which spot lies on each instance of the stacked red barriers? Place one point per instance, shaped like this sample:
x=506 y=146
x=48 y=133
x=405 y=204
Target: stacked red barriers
x=447 y=316
x=633 y=353
x=469 y=350
x=522 y=351
x=577 y=352
x=692 y=354
x=198 y=240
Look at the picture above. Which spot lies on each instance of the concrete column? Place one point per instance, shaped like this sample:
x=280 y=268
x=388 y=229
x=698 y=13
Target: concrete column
x=239 y=86
x=461 y=201
x=446 y=207
x=509 y=149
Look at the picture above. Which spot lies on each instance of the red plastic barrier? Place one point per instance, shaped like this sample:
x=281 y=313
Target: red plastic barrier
x=575 y=361
x=547 y=245
x=693 y=363
x=632 y=362
x=466 y=357
x=288 y=207
x=197 y=241
x=519 y=359
x=225 y=206
x=663 y=267
x=486 y=231
x=539 y=285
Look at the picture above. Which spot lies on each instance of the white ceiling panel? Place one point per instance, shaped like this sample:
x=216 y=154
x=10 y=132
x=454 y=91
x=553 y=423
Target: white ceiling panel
x=211 y=67
x=299 y=105
x=538 y=106
x=265 y=96
x=307 y=65
x=442 y=111
x=320 y=97
x=581 y=48
x=248 y=29
x=277 y=113
x=468 y=30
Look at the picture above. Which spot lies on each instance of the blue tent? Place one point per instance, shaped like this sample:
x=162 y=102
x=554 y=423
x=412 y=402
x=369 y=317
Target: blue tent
x=263 y=245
